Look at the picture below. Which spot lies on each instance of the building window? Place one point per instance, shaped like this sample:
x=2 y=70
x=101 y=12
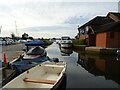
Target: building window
x=111 y=35
x=82 y=31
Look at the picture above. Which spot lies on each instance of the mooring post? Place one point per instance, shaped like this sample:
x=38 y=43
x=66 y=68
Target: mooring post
x=4 y=73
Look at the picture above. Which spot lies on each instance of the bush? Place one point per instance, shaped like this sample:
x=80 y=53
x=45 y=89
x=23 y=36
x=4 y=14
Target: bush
x=79 y=42
x=47 y=42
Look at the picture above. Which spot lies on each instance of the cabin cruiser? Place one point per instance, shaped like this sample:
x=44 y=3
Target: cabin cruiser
x=65 y=42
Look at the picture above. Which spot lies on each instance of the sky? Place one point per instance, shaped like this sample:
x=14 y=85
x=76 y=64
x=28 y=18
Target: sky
x=50 y=18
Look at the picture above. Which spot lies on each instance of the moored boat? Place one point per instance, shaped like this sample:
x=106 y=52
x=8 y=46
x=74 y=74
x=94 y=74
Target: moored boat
x=46 y=75
x=31 y=44
x=65 y=42
x=30 y=59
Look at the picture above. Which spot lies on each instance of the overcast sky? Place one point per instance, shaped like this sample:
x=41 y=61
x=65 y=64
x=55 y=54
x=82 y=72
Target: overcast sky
x=50 y=18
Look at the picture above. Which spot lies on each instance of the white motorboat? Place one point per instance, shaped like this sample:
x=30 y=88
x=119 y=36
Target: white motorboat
x=66 y=42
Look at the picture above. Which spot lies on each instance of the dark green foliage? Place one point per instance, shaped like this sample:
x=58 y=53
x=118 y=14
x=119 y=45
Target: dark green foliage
x=79 y=42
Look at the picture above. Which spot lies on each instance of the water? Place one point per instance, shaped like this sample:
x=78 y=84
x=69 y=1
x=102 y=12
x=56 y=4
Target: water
x=87 y=71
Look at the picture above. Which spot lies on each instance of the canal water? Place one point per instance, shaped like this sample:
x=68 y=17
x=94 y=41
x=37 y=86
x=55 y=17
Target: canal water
x=87 y=71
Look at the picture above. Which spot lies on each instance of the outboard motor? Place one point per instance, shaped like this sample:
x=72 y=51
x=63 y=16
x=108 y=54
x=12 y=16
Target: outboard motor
x=55 y=59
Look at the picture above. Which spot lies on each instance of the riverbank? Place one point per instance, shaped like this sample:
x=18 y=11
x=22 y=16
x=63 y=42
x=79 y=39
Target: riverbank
x=11 y=51
x=96 y=50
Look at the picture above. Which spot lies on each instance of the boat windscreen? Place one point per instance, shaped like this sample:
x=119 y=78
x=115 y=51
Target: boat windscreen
x=36 y=51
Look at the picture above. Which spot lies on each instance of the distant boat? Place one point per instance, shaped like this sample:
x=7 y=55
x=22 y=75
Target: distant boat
x=48 y=75
x=33 y=57
x=65 y=42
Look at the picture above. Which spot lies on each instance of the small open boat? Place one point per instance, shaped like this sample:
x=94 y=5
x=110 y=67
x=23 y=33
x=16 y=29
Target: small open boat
x=46 y=75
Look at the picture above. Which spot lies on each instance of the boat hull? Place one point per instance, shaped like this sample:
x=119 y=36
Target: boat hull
x=47 y=75
x=66 y=45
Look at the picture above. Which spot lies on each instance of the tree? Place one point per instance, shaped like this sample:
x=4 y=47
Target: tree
x=31 y=38
x=13 y=36
x=25 y=36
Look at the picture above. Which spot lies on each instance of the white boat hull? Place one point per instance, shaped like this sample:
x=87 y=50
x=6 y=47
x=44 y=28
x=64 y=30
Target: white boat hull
x=46 y=75
x=66 y=45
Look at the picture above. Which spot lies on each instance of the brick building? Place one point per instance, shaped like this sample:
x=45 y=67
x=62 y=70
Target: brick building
x=102 y=31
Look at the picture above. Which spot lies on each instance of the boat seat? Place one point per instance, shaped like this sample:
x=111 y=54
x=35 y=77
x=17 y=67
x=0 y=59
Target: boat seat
x=39 y=81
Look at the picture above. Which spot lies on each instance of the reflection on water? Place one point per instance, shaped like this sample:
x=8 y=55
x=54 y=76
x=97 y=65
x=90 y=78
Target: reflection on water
x=107 y=66
x=62 y=85
x=66 y=51
x=118 y=58
x=87 y=71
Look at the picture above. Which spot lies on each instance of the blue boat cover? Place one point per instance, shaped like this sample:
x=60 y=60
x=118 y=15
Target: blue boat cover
x=35 y=43
x=24 y=65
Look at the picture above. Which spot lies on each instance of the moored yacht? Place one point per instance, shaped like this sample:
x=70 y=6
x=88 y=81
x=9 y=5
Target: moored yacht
x=66 y=42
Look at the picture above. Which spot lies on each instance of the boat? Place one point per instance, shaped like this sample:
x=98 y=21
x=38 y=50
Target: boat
x=33 y=57
x=47 y=75
x=33 y=53
x=65 y=42
x=31 y=44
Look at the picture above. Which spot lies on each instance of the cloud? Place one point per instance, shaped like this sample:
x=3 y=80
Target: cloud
x=52 y=31
x=38 y=16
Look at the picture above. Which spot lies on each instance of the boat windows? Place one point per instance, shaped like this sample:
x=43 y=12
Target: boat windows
x=65 y=38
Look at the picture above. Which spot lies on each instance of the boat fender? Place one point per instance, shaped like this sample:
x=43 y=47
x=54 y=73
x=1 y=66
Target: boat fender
x=118 y=52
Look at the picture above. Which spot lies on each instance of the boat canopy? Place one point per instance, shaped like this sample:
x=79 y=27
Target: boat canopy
x=34 y=43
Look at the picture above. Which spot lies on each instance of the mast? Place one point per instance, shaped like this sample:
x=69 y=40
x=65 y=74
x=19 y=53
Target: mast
x=16 y=28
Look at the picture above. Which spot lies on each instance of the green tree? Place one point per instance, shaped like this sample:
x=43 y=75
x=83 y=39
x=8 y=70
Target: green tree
x=25 y=36
x=13 y=36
